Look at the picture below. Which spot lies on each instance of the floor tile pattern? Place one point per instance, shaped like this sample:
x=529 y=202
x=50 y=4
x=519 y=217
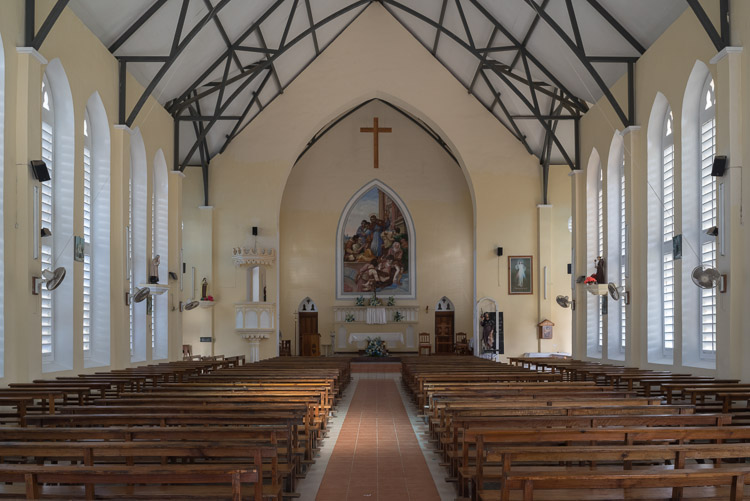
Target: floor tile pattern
x=377 y=456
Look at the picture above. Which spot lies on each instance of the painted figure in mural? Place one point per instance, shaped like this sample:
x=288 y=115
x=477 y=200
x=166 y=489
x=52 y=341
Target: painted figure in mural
x=520 y=273
x=352 y=248
x=398 y=256
x=488 y=331
x=376 y=228
x=367 y=277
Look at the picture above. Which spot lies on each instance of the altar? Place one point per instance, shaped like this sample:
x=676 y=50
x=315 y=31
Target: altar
x=395 y=325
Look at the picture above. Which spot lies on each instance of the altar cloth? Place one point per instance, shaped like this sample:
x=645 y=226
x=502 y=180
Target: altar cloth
x=388 y=337
x=376 y=315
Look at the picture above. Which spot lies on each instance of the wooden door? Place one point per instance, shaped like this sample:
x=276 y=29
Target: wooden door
x=444 y=321
x=309 y=339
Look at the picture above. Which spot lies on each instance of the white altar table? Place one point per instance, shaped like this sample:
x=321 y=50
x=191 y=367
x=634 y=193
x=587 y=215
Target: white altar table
x=388 y=337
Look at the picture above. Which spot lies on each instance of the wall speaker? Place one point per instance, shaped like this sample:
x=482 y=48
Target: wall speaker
x=570 y=269
x=40 y=171
x=719 y=166
x=255 y=231
x=499 y=251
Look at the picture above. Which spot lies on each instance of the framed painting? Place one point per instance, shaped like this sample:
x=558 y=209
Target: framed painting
x=520 y=275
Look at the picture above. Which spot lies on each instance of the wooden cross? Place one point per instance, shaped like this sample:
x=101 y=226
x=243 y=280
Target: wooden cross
x=375 y=130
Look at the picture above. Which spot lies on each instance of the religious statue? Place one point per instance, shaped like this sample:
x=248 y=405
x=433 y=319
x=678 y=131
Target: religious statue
x=153 y=274
x=204 y=289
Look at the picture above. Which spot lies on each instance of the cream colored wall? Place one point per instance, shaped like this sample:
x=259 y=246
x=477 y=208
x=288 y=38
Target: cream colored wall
x=665 y=68
x=429 y=182
x=89 y=68
x=248 y=180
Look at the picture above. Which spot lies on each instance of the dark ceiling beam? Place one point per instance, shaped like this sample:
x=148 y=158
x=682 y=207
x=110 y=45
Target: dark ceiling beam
x=205 y=118
x=574 y=23
x=612 y=59
x=214 y=86
x=581 y=105
x=532 y=89
x=255 y=99
x=143 y=59
x=465 y=24
x=481 y=63
x=516 y=130
x=308 y=8
x=203 y=159
x=223 y=85
x=708 y=26
x=270 y=60
x=224 y=36
x=624 y=33
x=259 y=50
x=529 y=32
x=546 y=117
x=272 y=67
x=168 y=64
x=180 y=25
x=584 y=60
x=506 y=48
x=36 y=39
x=440 y=22
x=136 y=25
x=177 y=102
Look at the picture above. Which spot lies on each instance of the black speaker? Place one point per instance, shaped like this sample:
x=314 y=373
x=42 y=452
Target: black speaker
x=255 y=231
x=499 y=251
x=719 y=166
x=40 y=170
x=570 y=269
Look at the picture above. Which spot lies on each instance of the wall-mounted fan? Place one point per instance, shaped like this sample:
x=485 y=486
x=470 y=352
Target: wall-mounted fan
x=138 y=296
x=705 y=277
x=615 y=292
x=51 y=279
x=191 y=305
x=565 y=302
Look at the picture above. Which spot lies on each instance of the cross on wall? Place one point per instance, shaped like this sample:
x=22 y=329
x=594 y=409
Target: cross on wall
x=375 y=130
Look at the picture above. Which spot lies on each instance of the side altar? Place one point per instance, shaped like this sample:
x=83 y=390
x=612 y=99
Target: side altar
x=395 y=325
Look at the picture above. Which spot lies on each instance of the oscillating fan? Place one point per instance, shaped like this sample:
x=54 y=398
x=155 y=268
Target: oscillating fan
x=705 y=277
x=191 y=305
x=51 y=279
x=564 y=301
x=614 y=291
x=141 y=294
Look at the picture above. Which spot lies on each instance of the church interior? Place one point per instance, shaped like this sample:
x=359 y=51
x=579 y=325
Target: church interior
x=374 y=249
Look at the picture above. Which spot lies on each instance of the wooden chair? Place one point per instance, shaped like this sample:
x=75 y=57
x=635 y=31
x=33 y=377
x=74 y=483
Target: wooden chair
x=285 y=348
x=462 y=344
x=187 y=351
x=424 y=343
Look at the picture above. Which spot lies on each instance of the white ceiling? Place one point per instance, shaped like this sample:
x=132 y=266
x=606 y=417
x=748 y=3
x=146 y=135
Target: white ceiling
x=556 y=64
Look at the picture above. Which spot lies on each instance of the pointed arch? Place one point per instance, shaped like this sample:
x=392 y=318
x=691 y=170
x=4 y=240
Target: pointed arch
x=444 y=304
x=307 y=305
x=97 y=198
x=378 y=200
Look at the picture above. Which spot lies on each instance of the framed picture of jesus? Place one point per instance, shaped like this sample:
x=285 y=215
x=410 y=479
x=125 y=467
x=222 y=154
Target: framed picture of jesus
x=520 y=275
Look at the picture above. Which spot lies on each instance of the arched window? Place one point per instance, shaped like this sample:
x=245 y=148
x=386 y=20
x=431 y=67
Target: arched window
x=96 y=214
x=2 y=201
x=594 y=249
x=137 y=249
x=707 y=214
x=58 y=137
x=667 y=231
x=616 y=245
x=160 y=246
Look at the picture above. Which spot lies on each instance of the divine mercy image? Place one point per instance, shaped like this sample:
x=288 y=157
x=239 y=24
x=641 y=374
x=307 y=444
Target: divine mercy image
x=375 y=246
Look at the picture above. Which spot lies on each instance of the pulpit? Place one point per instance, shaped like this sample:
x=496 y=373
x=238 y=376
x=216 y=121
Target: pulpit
x=310 y=344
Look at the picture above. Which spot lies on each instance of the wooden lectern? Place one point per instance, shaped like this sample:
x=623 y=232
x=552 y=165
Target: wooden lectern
x=310 y=344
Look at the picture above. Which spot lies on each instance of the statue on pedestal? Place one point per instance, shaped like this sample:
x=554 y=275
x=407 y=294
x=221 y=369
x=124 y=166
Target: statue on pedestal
x=204 y=289
x=153 y=274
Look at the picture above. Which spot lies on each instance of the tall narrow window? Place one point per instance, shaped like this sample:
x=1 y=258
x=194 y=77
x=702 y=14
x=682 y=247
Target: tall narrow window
x=131 y=278
x=708 y=215
x=87 y=313
x=667 y=227
x=160 y=247
x=600 y=246
x=594 y=247
x=138 y=242
x=2 y=226
x=48 y=140
x=623 y=253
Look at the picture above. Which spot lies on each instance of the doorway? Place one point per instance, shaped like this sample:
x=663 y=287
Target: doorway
x=444 y=327
x=309 y=338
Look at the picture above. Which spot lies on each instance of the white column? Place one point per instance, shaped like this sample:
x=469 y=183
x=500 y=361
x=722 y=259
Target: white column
x=254 y=348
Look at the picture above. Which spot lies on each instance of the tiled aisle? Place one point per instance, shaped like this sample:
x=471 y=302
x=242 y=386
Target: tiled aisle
x=377 y=456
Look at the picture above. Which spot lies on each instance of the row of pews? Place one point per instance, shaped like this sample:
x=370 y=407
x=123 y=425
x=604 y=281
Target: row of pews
x=561 y=429
x=194 y=429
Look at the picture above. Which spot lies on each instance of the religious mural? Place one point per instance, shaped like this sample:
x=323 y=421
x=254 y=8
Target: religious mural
x=374 y=245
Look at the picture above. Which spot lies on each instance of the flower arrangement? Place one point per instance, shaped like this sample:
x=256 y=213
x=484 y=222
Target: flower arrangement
x=391 y=301
x=360 y=301
x=397 y=316
x=376 y=348
x=349 y=317
x=375 y=301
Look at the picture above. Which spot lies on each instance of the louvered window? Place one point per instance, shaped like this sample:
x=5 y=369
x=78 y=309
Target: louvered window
x=87 y=311
x=152 y=298
x=600 y=247
x=708 y=218
x=131 y=272
x=668 y=222
x=623 y=253
x=47 y=216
